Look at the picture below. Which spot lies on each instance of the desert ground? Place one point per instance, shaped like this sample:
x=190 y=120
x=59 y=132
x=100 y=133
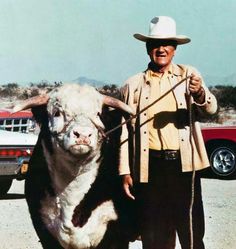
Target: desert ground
x=219 y=196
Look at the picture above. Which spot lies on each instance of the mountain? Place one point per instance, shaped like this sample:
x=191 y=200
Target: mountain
x=211 y=80
x=84 y=80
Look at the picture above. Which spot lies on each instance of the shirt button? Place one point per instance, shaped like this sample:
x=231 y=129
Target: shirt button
x=145 y=132
x=146 y=97
x=182 y=139
x=181 y=103
x=148 y=82
x=144 y=150
x=145 y=114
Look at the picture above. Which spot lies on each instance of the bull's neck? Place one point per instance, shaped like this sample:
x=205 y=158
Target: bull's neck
x=66 y=171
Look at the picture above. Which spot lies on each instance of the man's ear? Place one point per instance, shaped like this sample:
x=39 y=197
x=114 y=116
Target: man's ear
x=175 y=50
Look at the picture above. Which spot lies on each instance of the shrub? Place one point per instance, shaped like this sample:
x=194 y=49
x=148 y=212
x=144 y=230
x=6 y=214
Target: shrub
x=225 y=95
x=9 y=90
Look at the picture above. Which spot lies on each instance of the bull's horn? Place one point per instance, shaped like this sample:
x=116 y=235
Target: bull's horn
x=31 y=102
x=113 y=102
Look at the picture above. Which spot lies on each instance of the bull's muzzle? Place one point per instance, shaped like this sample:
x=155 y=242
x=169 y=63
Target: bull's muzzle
x=82 y=139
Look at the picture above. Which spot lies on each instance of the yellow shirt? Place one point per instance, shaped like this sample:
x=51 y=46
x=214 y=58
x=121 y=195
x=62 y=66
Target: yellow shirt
x=163 y=132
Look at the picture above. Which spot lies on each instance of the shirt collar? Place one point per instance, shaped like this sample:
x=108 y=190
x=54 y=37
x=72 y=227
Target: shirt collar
x=172 y=70
x=149 y=73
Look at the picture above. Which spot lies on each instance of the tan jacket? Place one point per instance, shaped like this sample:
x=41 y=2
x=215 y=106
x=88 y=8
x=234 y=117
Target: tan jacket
x=134 y=149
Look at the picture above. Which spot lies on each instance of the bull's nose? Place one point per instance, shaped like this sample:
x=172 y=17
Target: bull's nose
x=76 y=133
x=82 y=139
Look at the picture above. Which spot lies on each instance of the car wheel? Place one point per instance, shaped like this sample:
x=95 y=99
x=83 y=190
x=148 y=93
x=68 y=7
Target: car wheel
x=223 y=159
x=5 y=185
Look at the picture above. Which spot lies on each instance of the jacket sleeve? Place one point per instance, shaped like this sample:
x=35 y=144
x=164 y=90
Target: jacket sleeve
x=124 y=167
x=209 y=106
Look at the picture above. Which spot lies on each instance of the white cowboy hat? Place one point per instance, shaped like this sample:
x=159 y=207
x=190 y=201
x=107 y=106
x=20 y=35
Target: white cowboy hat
x=163 y=28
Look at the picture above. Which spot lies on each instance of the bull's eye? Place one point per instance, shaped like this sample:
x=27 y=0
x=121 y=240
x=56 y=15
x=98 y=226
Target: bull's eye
x=57 y=114
x=57 y=121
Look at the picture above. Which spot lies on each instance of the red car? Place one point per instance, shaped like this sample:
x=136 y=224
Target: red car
x=220 y=143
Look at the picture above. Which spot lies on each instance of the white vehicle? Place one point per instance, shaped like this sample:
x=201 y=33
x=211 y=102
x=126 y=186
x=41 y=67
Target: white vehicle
x=20 y=122
x=15 y=151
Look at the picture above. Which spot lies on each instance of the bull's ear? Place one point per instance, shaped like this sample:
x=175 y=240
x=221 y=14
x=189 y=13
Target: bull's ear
x=111 y=117
x=40 y=114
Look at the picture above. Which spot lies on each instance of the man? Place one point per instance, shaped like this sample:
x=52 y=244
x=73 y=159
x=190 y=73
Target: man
x=165 y=144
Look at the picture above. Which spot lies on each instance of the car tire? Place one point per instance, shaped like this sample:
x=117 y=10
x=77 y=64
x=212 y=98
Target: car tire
x=5 y=185
x=223 y=159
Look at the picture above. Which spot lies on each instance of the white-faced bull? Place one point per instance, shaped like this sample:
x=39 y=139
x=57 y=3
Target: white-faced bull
x=72 y=187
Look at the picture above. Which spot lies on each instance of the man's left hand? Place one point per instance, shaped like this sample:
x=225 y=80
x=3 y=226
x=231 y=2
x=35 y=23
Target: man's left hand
x=196 y=89
x=195 y=84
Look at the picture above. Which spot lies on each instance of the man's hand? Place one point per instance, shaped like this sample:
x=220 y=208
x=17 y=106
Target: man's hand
x=196 y=89
x=127 y=182
x=195 y=84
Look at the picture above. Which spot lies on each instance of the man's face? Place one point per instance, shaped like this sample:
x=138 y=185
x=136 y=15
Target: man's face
x=161 y=52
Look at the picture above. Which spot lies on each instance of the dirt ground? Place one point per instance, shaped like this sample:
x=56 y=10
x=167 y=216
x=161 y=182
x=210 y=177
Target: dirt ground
x=16 y=230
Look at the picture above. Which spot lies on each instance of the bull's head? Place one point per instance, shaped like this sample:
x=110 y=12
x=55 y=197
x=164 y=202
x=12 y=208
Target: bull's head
x=74 y=115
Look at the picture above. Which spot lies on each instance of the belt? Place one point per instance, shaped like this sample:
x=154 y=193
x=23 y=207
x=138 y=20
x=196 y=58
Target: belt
x=165 y=154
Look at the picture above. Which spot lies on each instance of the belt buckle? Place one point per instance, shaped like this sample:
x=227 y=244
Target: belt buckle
x=171 y=155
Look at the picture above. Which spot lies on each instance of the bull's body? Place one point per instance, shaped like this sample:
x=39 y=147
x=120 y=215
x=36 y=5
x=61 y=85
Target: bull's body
x=73 y=169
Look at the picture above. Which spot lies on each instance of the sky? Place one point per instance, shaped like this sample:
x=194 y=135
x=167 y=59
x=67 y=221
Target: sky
x=62 y=40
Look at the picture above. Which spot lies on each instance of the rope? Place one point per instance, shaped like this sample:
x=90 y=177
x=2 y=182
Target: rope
x=193 y=179
x=145 y=108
